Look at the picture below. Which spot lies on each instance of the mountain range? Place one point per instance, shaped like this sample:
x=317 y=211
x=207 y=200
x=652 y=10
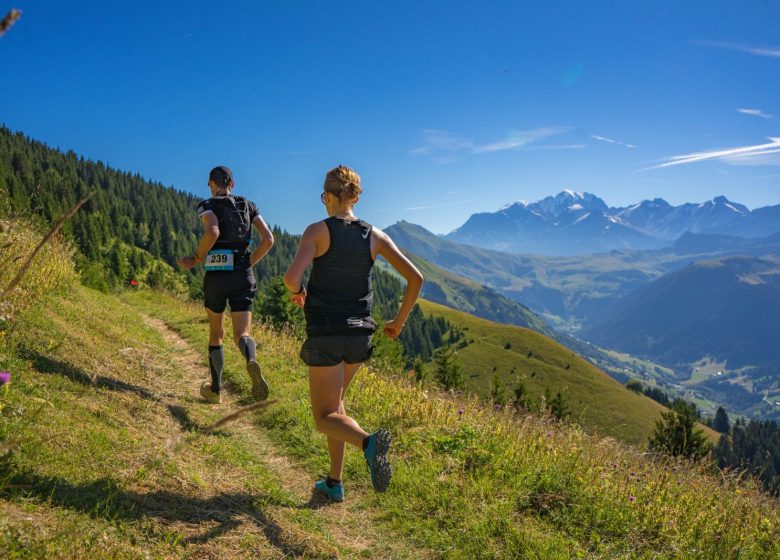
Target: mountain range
x=705 y=298
x=576 y=223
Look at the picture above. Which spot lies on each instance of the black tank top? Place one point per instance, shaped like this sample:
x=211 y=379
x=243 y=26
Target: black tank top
x=339 y=293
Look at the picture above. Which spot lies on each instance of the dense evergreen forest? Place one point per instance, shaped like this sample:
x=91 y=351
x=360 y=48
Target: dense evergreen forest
x=133 y=230
x=755 y=447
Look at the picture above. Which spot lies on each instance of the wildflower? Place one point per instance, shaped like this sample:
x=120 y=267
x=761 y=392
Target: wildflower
x=497 y=406
x=460 y=412
x=5 y=377
x=631 y=498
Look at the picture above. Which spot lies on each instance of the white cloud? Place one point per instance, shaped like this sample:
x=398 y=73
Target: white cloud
x=773 y=52
x=437 y=141
x=747 y=155
x=442 y=141
x=610 y=141
x=520 y=139
x=755 y=113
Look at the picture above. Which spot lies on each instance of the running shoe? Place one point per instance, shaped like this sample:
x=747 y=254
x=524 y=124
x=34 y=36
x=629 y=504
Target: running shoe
x=335 y=494
x=260 y=387
x=376 y=458
x=208 y=394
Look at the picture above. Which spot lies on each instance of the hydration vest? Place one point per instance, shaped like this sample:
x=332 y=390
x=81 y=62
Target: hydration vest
x=235 y=215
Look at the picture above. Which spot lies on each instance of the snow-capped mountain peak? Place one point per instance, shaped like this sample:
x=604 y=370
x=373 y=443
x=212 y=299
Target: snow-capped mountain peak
x=574 y=222
x=569 y=201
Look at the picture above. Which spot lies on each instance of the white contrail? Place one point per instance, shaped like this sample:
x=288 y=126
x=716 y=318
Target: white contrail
x=762 y=149
x=773 y=52
x=755 y=113
x=611 y=141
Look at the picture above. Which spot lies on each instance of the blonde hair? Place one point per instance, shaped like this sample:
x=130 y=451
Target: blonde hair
x=343 y=182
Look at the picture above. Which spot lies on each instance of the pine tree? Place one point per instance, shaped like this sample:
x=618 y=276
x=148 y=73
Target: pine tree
x=498 y=390
x=522 y=400
x=275 y=305
x=419 y=369
x=675 y=434
x=448 y=371
x=559 y=407
x=721 y=422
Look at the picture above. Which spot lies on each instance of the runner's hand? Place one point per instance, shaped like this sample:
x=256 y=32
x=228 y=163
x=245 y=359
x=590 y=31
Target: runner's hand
x=393 y=329
x=299 y=299
x=186 y=262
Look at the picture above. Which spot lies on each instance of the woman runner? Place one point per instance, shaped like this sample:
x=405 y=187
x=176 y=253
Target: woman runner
x=337 y=303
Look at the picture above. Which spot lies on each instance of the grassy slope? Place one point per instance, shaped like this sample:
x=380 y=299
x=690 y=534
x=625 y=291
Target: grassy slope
x=92 y=477
x=97 y=397
x=597 y=400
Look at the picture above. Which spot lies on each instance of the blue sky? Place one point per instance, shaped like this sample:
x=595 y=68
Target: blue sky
x=444 y=108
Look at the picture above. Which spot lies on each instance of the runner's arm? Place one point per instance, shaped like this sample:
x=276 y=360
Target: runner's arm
x=210 y=236
x=293 y=278
x=413 y=277
x=266 y=237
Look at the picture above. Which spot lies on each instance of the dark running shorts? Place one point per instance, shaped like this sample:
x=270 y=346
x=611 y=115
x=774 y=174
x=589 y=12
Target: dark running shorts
x=331 y=350
x=238 y=287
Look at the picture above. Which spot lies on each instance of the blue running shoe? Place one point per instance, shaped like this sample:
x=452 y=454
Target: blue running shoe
x=376 y=458
x=335 y=494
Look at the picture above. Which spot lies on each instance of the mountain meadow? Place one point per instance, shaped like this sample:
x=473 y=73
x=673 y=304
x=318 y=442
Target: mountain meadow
x=507 y=444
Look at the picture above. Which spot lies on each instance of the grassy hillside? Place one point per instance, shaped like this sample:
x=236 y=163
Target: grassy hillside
x=104 y=454
x=597 y=401
x=475 y=299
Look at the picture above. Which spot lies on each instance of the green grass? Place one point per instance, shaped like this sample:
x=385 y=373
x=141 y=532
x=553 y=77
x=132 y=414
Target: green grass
x=474 y=483
x=94 y=397
x=597 y=401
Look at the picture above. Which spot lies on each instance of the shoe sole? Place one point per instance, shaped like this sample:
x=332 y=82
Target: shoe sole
x=260 y=387
x=382 y=473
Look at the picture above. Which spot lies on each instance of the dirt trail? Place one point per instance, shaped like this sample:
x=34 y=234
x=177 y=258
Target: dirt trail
x=348 y=524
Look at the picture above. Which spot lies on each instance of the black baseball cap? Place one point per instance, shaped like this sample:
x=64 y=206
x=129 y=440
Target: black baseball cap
x=221 y=175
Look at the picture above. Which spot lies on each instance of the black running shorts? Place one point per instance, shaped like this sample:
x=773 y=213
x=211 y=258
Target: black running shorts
x=237 y=287
x=331 y=350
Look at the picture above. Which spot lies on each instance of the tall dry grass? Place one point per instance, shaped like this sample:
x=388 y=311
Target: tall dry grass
x=51 y=270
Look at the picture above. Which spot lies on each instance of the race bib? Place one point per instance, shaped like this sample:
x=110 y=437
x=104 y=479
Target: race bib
x=219 y=259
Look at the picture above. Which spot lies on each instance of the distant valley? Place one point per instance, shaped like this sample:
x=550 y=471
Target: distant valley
x=700 y=315
x=572 y=292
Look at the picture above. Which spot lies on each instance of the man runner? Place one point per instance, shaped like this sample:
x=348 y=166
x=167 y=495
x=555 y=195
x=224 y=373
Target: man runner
x=226 y=253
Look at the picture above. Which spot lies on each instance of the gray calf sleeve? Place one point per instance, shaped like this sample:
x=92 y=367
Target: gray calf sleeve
x=247 y=346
